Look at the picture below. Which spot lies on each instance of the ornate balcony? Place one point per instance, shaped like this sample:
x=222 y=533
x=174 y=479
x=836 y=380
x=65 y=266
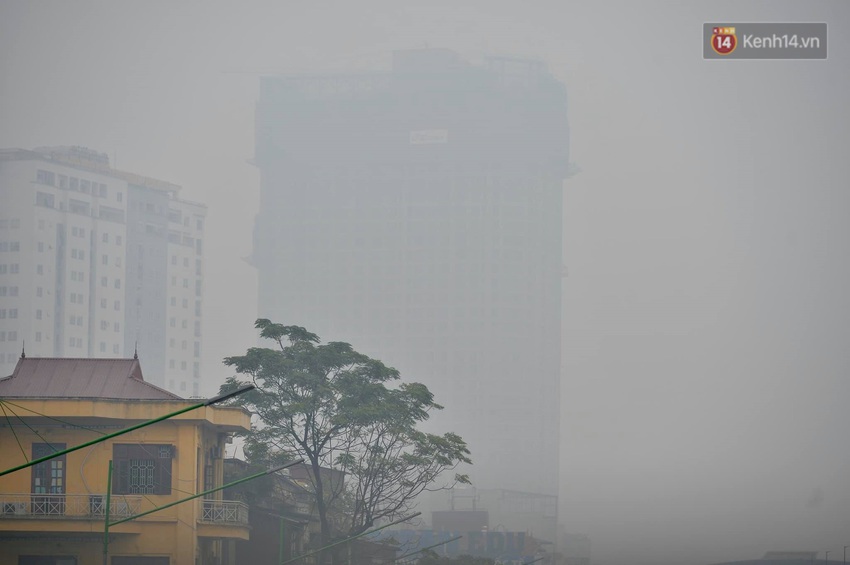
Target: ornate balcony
x=67 y=506
x=225 y=512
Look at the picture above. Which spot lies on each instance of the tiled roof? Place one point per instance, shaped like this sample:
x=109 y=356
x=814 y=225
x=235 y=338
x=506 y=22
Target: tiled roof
x=47 y=377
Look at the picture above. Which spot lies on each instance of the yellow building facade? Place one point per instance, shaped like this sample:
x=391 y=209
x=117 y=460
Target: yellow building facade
x=54 y=513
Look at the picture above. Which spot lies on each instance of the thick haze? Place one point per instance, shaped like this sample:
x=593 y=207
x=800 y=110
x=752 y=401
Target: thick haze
x=707 y=313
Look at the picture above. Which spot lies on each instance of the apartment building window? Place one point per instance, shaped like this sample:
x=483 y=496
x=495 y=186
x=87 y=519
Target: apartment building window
x=117 y=283
x=103 y=347
x=45 y=177
x=13 y=313
x=185 y=324
x=13 y=291
x=115 y=348
x=2 y=313
x=186 y=303
x=63 y=181
x=116 y=327
x=172 y=322
x=14 y=246
x=185 y=283
x=44 y=199
x=103 y=303
x=185 y=345
x=38 y=314
x=197 y=328
x=39 y=269
x=171 y=364
x=173 y=301
x=103 y=191
x=197 y=349
x=104 y=281
x=104 y=260
x=117 y=305
x=39 y=291
x=38 y=336
x=13 y=336
x=3 y=269
x=85 y=186
x=118 y=240
x=185 y=261
x=183 y=368
x=75 y=183
x=105 y=238
x=119 y=196
x=14 y=268
x=104 y=325
x=3 y=290
x=142 y=468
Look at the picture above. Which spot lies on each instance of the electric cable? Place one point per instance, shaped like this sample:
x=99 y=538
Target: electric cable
x=14 y=433
x=52 y=418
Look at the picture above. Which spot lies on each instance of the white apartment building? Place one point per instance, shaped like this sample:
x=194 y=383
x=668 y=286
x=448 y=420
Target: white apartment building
x=70 y=226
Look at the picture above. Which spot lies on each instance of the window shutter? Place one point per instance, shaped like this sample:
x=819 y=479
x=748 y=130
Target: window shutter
x=163 y=476
x=120 y=476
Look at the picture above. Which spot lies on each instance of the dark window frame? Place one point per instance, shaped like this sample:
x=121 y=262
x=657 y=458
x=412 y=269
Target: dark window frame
x=125 y=454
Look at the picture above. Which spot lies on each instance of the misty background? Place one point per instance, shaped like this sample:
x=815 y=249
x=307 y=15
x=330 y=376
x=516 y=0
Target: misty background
x=706 y=309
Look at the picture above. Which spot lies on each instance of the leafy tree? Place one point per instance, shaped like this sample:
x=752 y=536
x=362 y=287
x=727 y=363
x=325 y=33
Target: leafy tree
x=336 y=409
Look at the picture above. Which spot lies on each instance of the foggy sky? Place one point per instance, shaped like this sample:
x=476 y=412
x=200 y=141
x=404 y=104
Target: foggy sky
x=706 y=311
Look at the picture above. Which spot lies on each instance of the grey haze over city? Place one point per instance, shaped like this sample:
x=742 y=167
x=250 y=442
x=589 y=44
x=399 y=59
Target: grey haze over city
x=706 y=315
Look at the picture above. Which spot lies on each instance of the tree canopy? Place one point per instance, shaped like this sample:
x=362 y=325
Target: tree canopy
x=341 y=410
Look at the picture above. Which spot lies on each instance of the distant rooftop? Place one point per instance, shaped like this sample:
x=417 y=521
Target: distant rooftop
x=88 y=160
x=49 y=377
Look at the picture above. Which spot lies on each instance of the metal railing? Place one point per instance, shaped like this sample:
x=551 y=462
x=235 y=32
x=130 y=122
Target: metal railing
x=66 y=506
x=225 y=512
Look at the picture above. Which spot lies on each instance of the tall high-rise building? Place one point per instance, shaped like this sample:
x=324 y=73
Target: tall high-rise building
x=417 y=214
x=96 y=262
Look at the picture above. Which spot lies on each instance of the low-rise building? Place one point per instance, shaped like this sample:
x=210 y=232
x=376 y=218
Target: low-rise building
x=54 y=513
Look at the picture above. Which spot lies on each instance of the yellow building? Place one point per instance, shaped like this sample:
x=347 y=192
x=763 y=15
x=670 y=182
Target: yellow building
x=53 y=513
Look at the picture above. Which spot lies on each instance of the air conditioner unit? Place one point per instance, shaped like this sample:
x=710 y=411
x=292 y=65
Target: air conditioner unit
x=15 y=508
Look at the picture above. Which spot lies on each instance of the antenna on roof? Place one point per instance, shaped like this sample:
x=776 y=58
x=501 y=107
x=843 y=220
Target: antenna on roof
x=23 y=349
x=136 y=350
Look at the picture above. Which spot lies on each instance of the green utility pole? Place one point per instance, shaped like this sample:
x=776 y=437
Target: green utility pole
x=421 y=550
x=170 y=504
x=209 y=402
x=216 y=489
x=346 y=540
x=106 y=513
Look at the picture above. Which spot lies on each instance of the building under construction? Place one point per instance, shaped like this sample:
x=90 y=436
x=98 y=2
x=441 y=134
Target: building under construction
x=417 y=214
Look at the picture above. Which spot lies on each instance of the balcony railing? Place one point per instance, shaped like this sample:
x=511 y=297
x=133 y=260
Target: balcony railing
x=67 y=506
x=225 y=512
